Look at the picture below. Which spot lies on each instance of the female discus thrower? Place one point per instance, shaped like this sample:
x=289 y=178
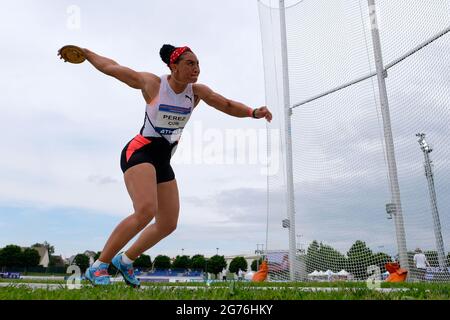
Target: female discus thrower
x=145 y=160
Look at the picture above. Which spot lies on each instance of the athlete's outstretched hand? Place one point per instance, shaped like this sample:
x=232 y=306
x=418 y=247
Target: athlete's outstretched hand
x=72 y=54
x=263 y=112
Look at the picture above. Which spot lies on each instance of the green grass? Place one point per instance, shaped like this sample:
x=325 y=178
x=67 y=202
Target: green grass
x=218 y=284
x=231 y=291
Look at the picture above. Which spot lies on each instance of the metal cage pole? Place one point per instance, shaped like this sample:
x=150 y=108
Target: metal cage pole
x=390 y=152
x=288 y=139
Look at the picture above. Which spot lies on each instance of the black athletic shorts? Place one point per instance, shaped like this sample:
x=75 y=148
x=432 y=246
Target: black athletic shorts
x=154 y=150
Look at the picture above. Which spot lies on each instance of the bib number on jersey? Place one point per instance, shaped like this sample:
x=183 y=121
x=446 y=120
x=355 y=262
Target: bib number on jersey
x=171 y=119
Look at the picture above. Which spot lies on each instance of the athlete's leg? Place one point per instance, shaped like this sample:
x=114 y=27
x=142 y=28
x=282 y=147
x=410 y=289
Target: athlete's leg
x=166 y=220
x=140 y=181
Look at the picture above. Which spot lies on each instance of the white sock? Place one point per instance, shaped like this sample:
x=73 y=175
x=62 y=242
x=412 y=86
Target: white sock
x=126 y=260
x=97 y=264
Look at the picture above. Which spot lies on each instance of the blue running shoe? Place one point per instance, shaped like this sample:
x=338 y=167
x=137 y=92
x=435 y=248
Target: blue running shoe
x=98 y=276
x=126 y=270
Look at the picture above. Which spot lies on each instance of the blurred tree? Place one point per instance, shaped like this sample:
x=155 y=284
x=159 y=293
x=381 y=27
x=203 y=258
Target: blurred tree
x=182 y=262
x=215 y=264
x=162 y=262
x=143 y=262
x=238 y=263
x=198 y=262
x=81 y=261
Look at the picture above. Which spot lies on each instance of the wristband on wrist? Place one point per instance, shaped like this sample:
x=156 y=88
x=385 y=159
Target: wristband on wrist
x=254 y=113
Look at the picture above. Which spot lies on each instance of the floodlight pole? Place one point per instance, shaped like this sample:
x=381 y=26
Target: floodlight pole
x=434 y=209
x=287 y=133
x=389 y=141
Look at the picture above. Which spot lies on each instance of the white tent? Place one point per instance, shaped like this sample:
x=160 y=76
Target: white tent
x=343 y=273
x=249 y=275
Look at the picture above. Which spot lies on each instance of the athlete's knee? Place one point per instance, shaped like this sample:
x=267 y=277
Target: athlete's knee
x=145 y=211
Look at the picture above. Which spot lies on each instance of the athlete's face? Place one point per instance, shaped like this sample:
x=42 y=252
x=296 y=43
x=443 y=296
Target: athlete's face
x=187 y=69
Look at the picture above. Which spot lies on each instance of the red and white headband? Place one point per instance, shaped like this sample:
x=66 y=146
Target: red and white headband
x=177 y=53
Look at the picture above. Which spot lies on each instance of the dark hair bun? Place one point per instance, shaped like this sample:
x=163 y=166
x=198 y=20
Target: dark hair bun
x=165 y=53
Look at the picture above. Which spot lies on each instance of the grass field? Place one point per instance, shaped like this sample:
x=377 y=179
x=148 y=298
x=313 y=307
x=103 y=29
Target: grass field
x=229 y=291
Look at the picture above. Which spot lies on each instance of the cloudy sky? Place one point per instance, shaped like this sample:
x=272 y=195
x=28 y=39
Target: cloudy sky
x=64 y=126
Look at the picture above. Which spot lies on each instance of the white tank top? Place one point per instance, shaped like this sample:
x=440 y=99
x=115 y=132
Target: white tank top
x=167 y=114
